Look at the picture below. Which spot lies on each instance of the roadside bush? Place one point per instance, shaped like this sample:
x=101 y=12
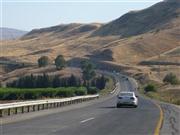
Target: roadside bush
x=48 y=93
x=11 y=96
x=150 y=88
x=65 y=93
x=92 y=90
x=171 y=78
x=31 y=95
x=24 y=94
x=81 y=91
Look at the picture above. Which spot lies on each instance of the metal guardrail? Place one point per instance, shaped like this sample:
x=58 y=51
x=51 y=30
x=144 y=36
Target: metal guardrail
x=29 y=106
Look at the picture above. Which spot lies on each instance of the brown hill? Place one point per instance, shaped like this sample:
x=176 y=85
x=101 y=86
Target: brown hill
x=152 y=31
x=133 y=23
x=63 y=30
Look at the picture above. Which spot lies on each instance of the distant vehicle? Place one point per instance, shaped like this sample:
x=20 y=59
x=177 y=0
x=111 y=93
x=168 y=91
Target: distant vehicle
x=127 y=98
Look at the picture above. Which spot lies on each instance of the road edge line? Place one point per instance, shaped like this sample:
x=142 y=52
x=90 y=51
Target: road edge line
x=161 y=114
x=160 y=121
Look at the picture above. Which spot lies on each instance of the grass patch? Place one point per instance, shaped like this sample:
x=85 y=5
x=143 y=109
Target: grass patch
x=162 y=94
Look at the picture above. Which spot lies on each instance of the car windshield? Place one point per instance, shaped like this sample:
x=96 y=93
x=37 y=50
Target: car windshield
x=126 y=94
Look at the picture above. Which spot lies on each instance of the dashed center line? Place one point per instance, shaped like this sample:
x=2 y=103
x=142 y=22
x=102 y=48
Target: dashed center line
x=83 y=121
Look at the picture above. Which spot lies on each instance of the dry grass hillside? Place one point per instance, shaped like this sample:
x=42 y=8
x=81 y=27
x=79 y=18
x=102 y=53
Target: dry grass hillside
x=156 y=17
x=126 y=42
x=158 y=32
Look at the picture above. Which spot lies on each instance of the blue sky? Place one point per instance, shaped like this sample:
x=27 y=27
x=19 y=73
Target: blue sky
x=30 y=14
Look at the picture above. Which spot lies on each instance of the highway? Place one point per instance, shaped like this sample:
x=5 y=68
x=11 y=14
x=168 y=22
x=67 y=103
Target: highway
x=98 y=117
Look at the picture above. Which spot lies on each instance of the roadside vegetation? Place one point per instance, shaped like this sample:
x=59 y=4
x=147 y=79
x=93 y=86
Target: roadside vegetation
x=43 y=61
x=59 y=62
x=38 y=86
x=45 y=81
x=40 y=93
x=167 y=92
x=150 y=88
x=171 y=78
x=109 y=86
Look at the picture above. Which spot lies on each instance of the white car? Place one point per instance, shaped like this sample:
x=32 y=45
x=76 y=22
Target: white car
x=127 y=98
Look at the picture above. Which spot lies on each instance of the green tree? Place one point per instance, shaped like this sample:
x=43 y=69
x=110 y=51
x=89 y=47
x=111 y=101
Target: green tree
x=74 y=81
x=60 y=62
x=56 y=81
x=171 y=78
x=88 y=70
x=101 y=82
x=46 y=82
x=43 y=61
x=39 y=81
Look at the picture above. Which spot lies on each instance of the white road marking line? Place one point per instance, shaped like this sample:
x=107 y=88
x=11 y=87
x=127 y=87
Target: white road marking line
x=83 y=121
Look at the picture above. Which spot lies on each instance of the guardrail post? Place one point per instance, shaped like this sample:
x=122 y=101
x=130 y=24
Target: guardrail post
x=9 y=111
x=38 y=107
x=16 y=110
x=22 y=109
x=28 y=108
x=46 y=105
x=34 y=108
x=43 y=106
x=1 y=113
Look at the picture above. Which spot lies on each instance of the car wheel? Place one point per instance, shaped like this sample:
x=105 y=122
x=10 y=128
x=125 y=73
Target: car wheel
x=135 y=106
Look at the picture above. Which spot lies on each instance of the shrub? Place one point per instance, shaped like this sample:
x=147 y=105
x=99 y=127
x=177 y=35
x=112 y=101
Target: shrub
x=43 y=61
x=150 y=88
x=11 y=96
x=65 y=93
x=171 y=78
x=24 y=94
x=31 y=95
x=60 y=62
x=92 y=90
x=81 y=91
x=48 y=93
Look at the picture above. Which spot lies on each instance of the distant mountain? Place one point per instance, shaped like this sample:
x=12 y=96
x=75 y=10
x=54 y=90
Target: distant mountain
x=139 y=22
x=63 y=30
x=9 y=33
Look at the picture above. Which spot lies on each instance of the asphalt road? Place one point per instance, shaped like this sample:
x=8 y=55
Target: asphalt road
x=100 y=118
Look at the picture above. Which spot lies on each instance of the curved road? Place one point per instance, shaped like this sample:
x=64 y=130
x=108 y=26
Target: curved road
x=100 y=117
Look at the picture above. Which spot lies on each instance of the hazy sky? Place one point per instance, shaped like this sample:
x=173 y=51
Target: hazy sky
x=30 y=14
